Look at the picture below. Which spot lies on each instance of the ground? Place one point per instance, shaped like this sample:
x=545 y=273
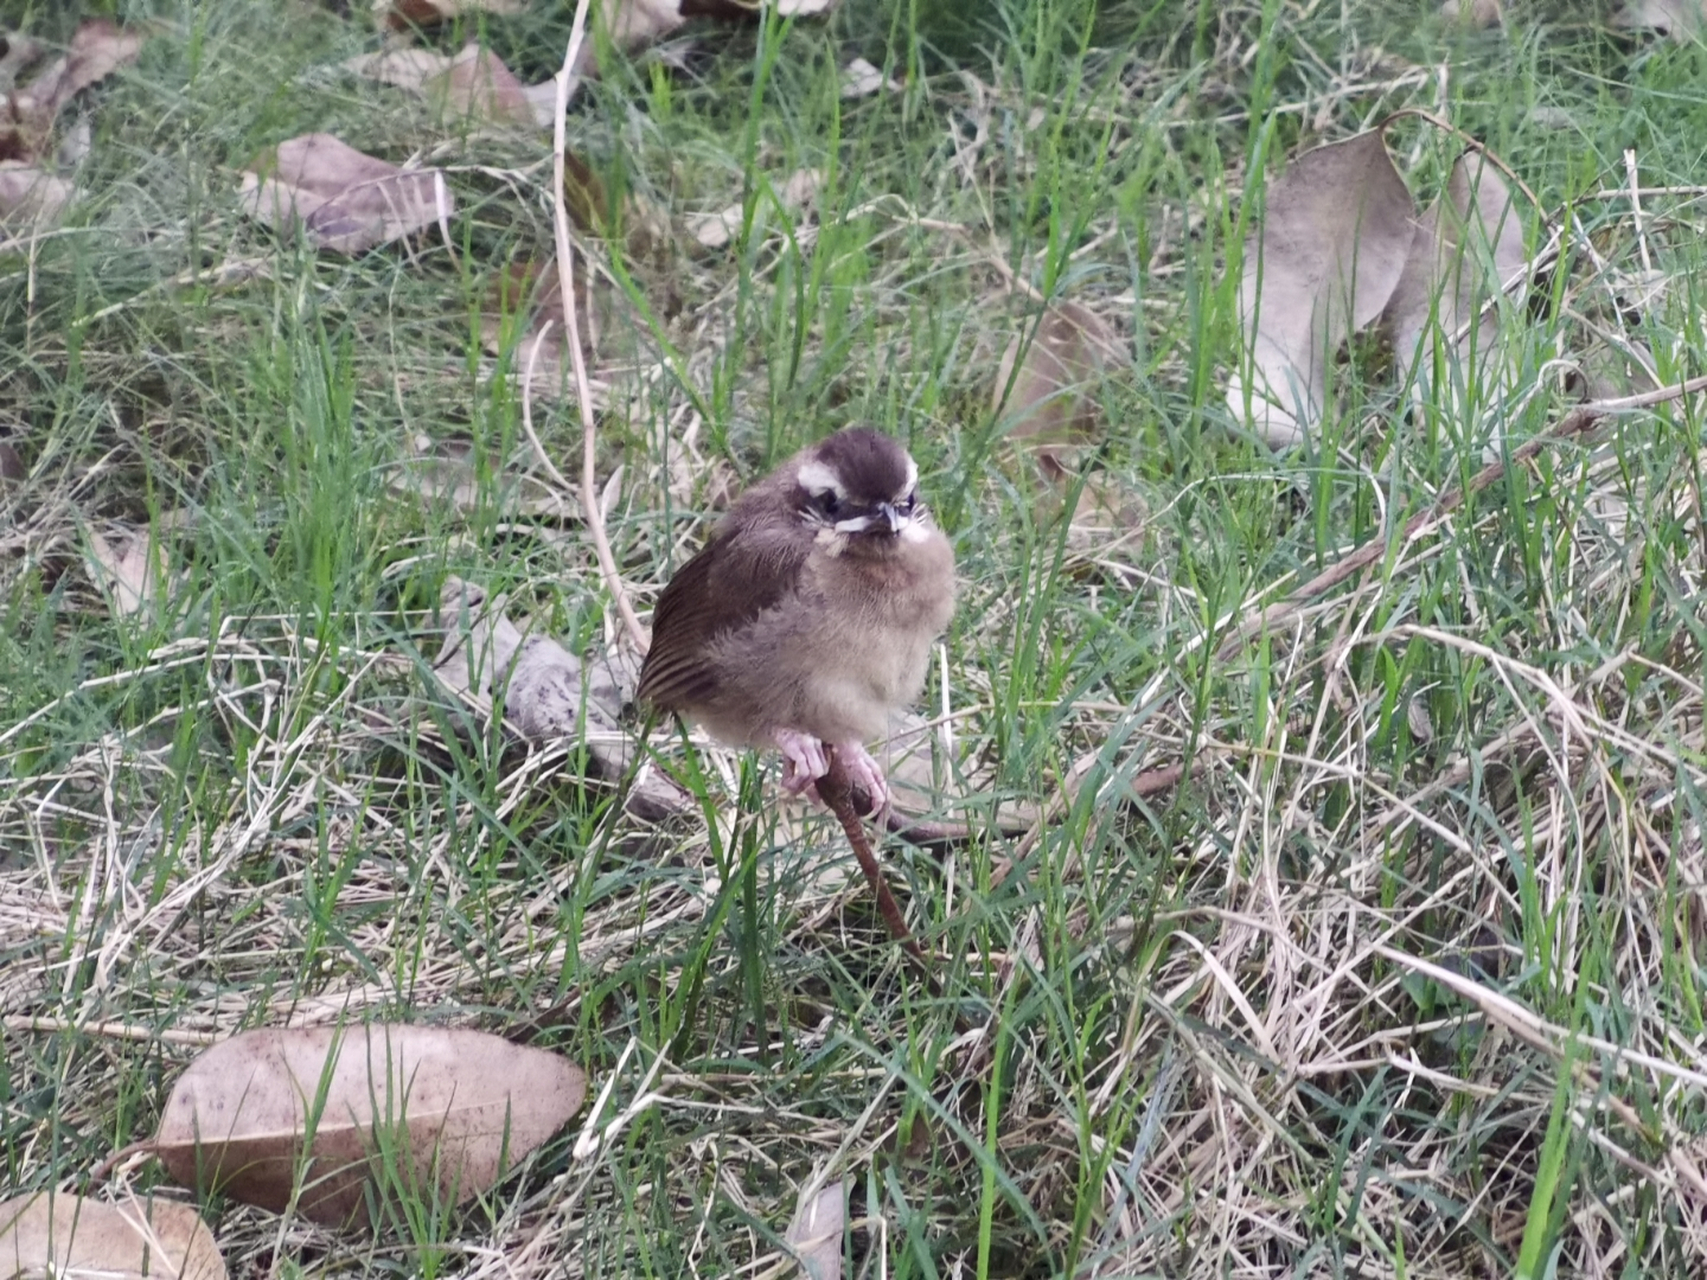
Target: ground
x=1367 y=942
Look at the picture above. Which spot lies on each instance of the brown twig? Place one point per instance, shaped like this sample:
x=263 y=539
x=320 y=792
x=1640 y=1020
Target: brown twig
x=1575 y=423
x=593 y=515
x=837 y=792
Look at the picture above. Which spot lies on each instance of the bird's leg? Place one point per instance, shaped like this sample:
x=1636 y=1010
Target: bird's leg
x=805 y=756
x=864 y=772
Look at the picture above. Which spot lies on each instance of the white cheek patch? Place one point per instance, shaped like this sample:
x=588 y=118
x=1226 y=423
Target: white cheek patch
x=816 y=478
x=914 y=531
x=854 y=524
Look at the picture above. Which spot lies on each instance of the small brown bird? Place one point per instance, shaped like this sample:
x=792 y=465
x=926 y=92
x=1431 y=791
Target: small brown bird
x=809 y=616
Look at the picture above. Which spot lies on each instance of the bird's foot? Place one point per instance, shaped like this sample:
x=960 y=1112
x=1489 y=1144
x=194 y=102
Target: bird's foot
x=806 y=762
x=865 y=773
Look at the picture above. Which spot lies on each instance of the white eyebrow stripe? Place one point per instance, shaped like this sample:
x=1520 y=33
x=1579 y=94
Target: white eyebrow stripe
x=815 y=477
x=912 y=478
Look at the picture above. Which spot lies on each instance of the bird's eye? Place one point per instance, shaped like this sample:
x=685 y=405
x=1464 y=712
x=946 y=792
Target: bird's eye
x=906 y=505
x=826 y=502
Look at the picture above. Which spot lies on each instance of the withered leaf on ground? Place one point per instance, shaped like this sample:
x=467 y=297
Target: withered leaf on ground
x=318 y=1116
x=342 y=199
x=549 y=693
x=1464 y=248
x=27 y=114
x=131 y=568
x=715 y=230
x=815 y=1234
x=1319 y=266
x=55 y=1233
x=1679 y=19
x=1474 y=13
x=1046 y=386
x=30 y=195
x=447 y=471
x=400 y=15
x=474 y=84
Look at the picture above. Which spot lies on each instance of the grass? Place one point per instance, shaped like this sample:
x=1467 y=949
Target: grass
x=1185 y=1032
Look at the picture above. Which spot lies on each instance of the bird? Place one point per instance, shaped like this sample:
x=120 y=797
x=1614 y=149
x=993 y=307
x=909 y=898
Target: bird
x=809 y=617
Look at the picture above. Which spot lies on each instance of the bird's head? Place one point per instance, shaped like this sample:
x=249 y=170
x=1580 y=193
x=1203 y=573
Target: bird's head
x=860 y=488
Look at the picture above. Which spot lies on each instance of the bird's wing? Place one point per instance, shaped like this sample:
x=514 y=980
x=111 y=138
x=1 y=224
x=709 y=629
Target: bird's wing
x=737 y=576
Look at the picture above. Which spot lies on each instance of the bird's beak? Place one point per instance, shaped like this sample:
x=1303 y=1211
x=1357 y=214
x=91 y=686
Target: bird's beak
x=893 y=516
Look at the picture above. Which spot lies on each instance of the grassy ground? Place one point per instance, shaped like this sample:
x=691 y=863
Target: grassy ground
x=1186 y=1033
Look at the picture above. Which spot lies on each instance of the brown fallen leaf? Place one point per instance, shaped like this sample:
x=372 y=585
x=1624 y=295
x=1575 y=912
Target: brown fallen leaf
x=610 y=331
x=1319 y=266
x=474 y=84
x=27 y=114
x=12 y=468
x=55 y=1233
x=549 y=693
x=1474 y=13
x=1679 y=19
x=131 y=569
x=446 y=471
x=30 y=195
x=1463 y=249
x=400 y=15
x=716 y=230
x=1045 y=387
x=342 y=199
x=815 y=1234
x=319 y=1116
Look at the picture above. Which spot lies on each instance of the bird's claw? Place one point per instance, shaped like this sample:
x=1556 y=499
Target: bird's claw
x=806 y=761
x=865 y=773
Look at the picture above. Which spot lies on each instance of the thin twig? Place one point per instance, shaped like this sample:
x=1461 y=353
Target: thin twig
x=836 y=791
x=592 y=512
x=1575 y=423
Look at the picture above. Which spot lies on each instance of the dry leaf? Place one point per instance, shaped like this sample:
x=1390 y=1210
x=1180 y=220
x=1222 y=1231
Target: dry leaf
x=860 y=80
x=549 y=694
x=321 y=1113
x=445 y=471
x=1679 y=19
x=12 y=468
x=1447 y=280
x=131 y=570
x=609 y=331
x=1322 y=264
x=1048 y=402
x=342 y=199
x=475 y=84
x=400 y=15
x=716 y=230
x=30 y=195
x=815 y=1235
x=54 y=1233
x=1473 y=13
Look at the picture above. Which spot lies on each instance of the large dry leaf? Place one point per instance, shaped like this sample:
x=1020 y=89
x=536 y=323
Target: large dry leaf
x=1048 y=401
x=131 y=569
x=474 y=85
x=549 y=693
x=816 y=1233
x=1679 y=19
x=1474 y=13
x=28 y=113
x=342 y=199
x=322 y=1115
x=54 y=1233
x=1463 y=249
x=715 y=230
x=1331 y=246
x=30 y=196
x=447 y=471
x=400 y=15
